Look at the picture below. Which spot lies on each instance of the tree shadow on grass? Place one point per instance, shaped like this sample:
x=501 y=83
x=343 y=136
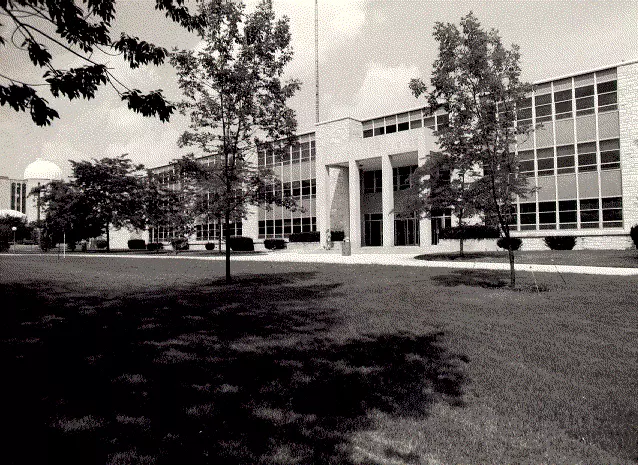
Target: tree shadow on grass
x=473 y=278
x=254 y=372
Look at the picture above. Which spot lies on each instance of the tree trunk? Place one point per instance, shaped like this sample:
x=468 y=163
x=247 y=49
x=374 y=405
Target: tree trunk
x=108 y=239
x=219 y=225
x=510 y=253
x=461 y=245
x=227 y=236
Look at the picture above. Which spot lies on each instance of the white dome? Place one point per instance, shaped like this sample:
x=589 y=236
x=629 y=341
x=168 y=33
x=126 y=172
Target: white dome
x=12 y=213
x=42 y=169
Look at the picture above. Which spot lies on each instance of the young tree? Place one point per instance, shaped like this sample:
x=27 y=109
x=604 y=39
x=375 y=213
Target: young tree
x=476 y=80
x=37 y=26
x=235 y=96
x=113 y=192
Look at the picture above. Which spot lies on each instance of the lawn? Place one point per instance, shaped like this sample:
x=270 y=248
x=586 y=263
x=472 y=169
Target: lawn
x=614 y=258
x=157 y=361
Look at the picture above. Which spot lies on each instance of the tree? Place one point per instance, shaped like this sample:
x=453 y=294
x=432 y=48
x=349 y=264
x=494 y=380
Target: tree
x=236 y=99
x=476 y=80
x=37 y=25
x=113 y=192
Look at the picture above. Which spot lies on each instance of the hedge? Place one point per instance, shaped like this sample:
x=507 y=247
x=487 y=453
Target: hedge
x=272 y=244
x=154 y=246
x=241 y=244
x=633 y=232
x=210 y=246
x=136 y=244
x=470 y=231
x=515 y=241
x=336 y=236
x=179 y=243
x=100 y=243
x=560 y=242
x=309 y=236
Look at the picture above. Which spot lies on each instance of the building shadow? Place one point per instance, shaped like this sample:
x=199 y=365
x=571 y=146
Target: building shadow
x=254 y=372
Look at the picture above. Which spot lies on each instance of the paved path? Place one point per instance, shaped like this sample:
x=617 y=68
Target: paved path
x=381 y=259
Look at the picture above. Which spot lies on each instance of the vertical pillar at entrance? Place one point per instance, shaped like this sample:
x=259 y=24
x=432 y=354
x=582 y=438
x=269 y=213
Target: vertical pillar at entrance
x=323 y=202
x=425 y=232
x=387 y=201
x=355 y=204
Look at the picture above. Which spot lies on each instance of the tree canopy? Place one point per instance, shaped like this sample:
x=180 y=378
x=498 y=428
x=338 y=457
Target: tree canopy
x=236 y=98
x=36 y=27
x=476 y=80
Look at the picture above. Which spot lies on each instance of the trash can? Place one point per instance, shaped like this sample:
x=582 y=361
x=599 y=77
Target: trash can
x=345 y=247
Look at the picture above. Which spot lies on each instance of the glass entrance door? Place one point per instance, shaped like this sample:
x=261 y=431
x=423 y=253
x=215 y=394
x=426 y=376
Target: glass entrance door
x=406 y=231
x=373 y=231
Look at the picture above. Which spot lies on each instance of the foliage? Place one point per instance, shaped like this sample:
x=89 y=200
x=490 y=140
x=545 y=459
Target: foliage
x=7 y=223
x=560 y=242
x=137 y=244
x=470 y=231
x=154 y=246
x=235 y=97
x=101 y=243
x=336 y=236
x=506 y=242
x=4 y=244
x=633 y=233
x=241 y=244
x=308 y=236
x=476 y=80
x=36 y=27
x=274 y=244
x=210 y=246
x=179 y=243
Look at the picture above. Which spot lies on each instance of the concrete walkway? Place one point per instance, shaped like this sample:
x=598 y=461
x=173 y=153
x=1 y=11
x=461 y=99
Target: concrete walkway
x=381 y=259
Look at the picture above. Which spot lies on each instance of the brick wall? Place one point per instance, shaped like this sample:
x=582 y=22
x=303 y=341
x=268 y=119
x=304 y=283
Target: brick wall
x=628 y=115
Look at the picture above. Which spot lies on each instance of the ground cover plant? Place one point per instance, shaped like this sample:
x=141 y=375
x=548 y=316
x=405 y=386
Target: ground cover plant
x=147 y=360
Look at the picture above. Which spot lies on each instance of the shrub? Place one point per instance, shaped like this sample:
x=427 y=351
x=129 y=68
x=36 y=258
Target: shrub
x=179 y=243
x=136 y=244
x=71 y=246
x=336 y=236
x=210 y=246
x=4 y=244
x=100 y=243
x=515 y=241
x=309 y=236
x=470 y=231
x=560 y=242
x=241 y=244
x=154 y=246
x=633 y=232
x=272 y=244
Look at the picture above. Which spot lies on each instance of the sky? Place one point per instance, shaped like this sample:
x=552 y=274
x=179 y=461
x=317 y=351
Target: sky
x=368 y=52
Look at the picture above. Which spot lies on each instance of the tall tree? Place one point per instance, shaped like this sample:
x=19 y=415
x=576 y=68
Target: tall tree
x=37 y=26
x=476 y=80
x=236 y=98
x=113 y=190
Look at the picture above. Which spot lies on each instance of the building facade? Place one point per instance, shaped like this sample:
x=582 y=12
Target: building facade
x=348 y=175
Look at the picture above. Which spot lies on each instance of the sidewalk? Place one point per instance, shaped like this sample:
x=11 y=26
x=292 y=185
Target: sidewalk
x=381 y=259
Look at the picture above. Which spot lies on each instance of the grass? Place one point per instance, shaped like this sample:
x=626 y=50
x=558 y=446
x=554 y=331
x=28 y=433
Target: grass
x=613 y=258
x=158 y=361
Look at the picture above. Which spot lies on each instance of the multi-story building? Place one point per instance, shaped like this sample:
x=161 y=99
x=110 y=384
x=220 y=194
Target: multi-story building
x=349 y=174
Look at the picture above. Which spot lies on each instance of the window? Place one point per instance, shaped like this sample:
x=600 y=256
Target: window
x=589 y=213
x=442 y=121
x=565 y=159
x=607 y=98
x=563 y=104
x=403 y=121
x=402 y=177
x=612 y=212
x=379 y=127
x=587 y=157
x=543 y=105
x=545 y=160
x=371 y=181
x=526 y=165
x=610 y=154
x=368 y=130
x=305 y=189
x=390 y=124
x=305 y=151
x=567 y=212
x=528 y=215
x=313 y=150
x=547 y=215
x=429 y=122
x=13 y=196
x=415 y=119
x=585 y=100
x=524 y=112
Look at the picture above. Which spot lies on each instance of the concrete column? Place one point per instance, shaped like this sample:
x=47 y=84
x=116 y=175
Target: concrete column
x=425 y=231
x=355 y=204
x=387 y=201
x=323 y=201
x=346 y=225
x=250 y=224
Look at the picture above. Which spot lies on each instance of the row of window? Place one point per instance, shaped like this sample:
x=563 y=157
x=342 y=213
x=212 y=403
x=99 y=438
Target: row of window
x=19 y=197
x=404 y=121
x=304 y=189
x=588 y=155
x=283 y=227
x=401 y=179
x=211 y=231
x=589 y=212
x=300 y=151
x=568 y=99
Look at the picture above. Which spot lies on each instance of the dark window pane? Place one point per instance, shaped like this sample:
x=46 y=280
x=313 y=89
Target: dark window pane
x=587 y=159
x=529 y=207
x=415 y=124
x=564 y=162
x=584 y=91
x=610 y=157
x=528 y=218
x=565 y=150
x=543 y=99
x=524 y=113
x=526 y=155
x=391 y=129
x=544 y=110
x=546 y=206
x=610 y=86
x=545 y=164
x=612 y=202
x=610 y=144
x=404 y=126
x=564 y=107
x=586 y=148
x=563 y=95
x=548 y=217
x=583 y=103
x=525 y=102
x=379 y=131
x=607 y=99
x=612 y=215
x=567 y=217
x=527 y=165
x=589 y=204
x=545 y=153
x=588 y=215
x=367 y=133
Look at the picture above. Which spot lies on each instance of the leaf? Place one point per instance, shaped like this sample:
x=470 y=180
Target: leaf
x=77 y=82
x=23 y=97
x=138 y=52
x=38 y=54
x=151 y=104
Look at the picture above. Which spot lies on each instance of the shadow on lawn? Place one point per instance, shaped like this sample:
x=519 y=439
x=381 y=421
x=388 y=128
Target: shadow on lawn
x=249 y=373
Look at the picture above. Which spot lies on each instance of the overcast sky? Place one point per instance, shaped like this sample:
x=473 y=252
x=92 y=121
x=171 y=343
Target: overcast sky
x=368 y=52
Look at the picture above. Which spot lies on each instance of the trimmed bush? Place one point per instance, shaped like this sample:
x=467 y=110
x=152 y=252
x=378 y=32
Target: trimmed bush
x=272 y=244
x=470 y=231
x=241 y=244
x=137 y=244
x=633 y=232
x=336 y=236
x=179 y=243
x=4 y=244
x=154 y=246
x=560 y=242
x=310 y=236
x=100 y=243
x=515 y=241
x=210 y=246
